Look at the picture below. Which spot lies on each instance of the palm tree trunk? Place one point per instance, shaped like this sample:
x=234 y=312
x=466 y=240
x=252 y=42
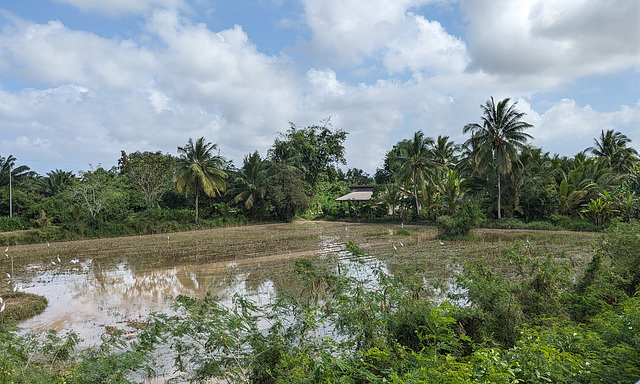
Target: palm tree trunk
x=415 y=193
x=499 y=213
x=197 y=195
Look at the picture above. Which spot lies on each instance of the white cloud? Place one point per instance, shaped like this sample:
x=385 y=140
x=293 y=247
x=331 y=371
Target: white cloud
x=123 y=7
x=350 y=32
x=569 y=128
x=424 y=44
x=52 y=53
x=181 y=79
x=553 y=40
x=107 y=95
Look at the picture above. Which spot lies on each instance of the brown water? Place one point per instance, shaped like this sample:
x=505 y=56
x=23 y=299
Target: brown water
x=119 y=281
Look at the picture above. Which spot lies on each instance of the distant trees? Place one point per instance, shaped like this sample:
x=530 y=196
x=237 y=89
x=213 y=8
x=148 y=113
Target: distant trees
x=198 y=168
x=494 y=172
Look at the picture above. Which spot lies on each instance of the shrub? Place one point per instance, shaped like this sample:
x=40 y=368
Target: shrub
x=460 y=224
x=8 y=224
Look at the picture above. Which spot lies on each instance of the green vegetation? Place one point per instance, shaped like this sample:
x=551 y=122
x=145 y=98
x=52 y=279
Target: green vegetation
x=20 y=305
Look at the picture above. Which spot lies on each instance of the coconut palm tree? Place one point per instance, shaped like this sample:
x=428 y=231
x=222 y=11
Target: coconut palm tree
x=496 y=142
x=612 y=146
x=199 y=168
x=417 y=163
x=251 y=182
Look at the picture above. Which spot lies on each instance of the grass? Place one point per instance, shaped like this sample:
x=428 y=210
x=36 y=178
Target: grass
x=20 y=306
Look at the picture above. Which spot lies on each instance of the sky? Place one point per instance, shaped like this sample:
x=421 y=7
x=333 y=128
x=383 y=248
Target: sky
x=82 y=80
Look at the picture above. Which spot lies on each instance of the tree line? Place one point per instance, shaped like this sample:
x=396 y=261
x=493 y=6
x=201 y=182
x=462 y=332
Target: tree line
x=496 y=171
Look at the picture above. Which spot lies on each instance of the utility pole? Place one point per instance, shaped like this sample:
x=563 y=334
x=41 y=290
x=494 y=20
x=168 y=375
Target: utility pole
x=10 y=192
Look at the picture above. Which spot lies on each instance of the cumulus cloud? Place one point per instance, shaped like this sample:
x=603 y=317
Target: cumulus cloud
x=175 y=78
x=553 y=39
x=106 y=95
x=351 y=32
x=424 y=45
x=52 y=53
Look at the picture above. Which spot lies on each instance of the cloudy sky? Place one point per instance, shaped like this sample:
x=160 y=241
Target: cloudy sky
x=81 y=80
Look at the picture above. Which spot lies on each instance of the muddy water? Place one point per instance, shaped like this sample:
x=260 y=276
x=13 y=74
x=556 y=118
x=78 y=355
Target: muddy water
x=98 y=285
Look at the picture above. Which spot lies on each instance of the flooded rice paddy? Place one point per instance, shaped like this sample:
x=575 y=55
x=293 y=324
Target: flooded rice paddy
x=94 y=286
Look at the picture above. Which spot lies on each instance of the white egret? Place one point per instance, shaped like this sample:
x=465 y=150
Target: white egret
x=8 y=275
x=2 y=309
x=59 y=259
x=402 y=245
x=48 y=245
x=441 y=243
x=6 y=250
x=0 y=300
x=394 y=247
x=53 y=262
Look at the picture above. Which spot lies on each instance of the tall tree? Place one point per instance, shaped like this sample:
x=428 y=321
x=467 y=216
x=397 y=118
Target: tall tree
x=496 y=142
x=315 y=150
x=418 y=163
x=199 y=168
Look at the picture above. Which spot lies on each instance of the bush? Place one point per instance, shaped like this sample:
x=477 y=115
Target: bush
x=459 y=225
x=8 y=224
x=574 y=224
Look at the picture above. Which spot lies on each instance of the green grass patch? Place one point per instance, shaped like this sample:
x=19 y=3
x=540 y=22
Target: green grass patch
x=20 y=306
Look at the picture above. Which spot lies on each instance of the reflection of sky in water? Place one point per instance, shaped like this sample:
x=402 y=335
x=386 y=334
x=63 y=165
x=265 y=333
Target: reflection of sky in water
x=87 y=297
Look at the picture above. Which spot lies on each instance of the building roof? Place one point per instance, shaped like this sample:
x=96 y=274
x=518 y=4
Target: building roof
x=359 y=193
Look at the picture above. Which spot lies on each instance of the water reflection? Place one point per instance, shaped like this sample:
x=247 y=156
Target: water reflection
x=88 y=297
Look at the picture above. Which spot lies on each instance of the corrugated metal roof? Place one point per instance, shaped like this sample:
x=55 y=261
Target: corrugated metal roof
x=356 y=196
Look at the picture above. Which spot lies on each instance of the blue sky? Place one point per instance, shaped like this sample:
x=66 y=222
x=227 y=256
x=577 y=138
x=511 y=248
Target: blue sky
x=81 y=80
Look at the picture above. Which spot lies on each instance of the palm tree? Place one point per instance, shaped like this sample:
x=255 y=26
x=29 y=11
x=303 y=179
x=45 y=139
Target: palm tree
x=612 y=146
x=199 y=168
x=417 y=163
x=56 y=181
x=496 y=142
x=17 y=173
x=445 y=152
x=251 y=181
